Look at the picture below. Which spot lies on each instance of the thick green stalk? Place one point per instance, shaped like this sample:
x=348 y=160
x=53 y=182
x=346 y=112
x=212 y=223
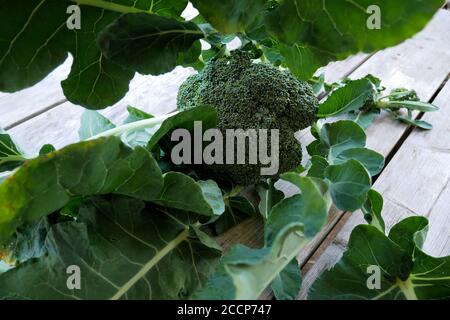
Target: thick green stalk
x=134 y=126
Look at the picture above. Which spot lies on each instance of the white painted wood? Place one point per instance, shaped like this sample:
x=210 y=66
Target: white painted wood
x=416 y=182
x=17 y=106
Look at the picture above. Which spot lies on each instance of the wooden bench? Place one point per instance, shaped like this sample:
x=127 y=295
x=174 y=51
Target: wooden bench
x=415 y=181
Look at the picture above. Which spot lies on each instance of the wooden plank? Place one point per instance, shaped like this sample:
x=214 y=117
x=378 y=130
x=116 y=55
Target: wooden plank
x=19 y=106
x=416 y=182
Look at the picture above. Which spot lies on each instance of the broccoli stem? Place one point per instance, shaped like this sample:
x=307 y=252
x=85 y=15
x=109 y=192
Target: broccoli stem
x=134 y=126
x=383 y=105
x=117 y=131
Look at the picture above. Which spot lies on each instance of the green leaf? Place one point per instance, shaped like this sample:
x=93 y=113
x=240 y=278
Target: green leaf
x=283 y=24
x=286 y=286
x=410 y=233
x=302 y=60
x=28 y=242
x=237 y=209
x=318 y=84
x=372 y=209
x=10 y=155
x=365 y=118
x=32 y=49
x=45 y=184
x=342 y=135
x=351 y=97
x=405 y=271
x=229 y=16
x=273 y=55
x=147 y=43
x=349 y=184
x=123 y=251
x=348 y=279
x=204 y=197
x=93 y=123
x=138 y=137
x=46 y=149
x=318 y=166
x=269 y=196
x=414 y=105
x=190 y=58
x=205 y=114
x=316 y=148
x=94 y=82
x=333 y=30
x=416 y=123
x=373 y=161
x=244 y=273
x=134 y=114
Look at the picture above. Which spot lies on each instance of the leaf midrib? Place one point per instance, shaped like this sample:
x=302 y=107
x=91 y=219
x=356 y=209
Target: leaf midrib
x=151 y=263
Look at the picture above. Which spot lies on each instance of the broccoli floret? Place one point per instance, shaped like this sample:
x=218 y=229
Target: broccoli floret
x=250 y=95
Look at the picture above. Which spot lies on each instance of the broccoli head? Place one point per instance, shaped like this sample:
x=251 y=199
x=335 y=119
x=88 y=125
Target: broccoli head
x=249 y=95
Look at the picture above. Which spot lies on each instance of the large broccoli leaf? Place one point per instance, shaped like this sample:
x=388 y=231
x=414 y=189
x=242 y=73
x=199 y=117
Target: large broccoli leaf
x=123 y=249
x=229 y=16
x=103 y=166
x=406 y=272
x=36 y=39
x=147 y=43
x=316 y=32
x=45 y=184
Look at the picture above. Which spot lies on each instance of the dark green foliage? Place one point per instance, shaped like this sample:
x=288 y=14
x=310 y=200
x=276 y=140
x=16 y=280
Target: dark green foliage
x=250 y=95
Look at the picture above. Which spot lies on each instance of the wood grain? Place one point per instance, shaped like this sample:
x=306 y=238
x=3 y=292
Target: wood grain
x=22 y=105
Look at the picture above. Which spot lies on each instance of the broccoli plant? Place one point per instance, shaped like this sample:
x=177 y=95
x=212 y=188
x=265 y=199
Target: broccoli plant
x=364 y=99
x=138 y=225
x=249 y=95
